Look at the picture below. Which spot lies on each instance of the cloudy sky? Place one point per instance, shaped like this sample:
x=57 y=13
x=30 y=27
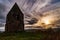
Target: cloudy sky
x=30 y=8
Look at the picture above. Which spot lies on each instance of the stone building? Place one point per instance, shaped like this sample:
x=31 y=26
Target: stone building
x=14 y=20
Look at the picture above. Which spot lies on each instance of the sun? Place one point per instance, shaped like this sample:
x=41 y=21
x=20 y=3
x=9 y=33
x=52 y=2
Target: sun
x=47 y=22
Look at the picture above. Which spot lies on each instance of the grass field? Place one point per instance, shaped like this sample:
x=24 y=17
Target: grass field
x=30 y=36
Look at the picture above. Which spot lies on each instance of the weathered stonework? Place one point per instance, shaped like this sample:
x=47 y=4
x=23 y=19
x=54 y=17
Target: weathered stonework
x=14 y=20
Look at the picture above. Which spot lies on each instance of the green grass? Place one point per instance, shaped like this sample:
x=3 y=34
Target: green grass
x=30 y=36
x=21 y=36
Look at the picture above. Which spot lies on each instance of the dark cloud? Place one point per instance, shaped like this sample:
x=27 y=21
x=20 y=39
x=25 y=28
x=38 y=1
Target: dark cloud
x=32 y=21
x=31 y=2
x=55 y=1
x=2 y=9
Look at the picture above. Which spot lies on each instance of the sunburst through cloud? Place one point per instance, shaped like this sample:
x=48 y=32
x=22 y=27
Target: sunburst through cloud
x=41 y=14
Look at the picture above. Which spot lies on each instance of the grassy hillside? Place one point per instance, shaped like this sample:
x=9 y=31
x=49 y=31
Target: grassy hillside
x=30 y=36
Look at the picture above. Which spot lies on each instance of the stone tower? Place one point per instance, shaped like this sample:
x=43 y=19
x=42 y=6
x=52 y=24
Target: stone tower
x=14 y=20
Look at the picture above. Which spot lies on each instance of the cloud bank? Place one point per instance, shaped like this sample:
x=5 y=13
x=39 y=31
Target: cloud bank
x=30 y=8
